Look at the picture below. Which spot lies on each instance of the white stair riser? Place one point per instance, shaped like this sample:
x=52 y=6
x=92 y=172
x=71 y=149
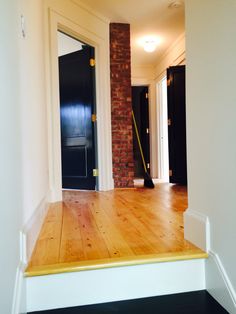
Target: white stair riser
x=114 y=284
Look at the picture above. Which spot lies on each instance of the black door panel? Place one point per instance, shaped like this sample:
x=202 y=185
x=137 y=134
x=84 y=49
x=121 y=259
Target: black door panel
x=177 y=124
x=77 y=129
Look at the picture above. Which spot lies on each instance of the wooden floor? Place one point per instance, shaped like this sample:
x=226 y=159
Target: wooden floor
x=91 y=230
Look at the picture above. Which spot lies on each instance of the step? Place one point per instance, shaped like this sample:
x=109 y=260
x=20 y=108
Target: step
x=191 y=302
x=121 y=282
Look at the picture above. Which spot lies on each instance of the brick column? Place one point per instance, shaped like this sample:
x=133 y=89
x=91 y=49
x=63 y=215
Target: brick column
x=121 y=105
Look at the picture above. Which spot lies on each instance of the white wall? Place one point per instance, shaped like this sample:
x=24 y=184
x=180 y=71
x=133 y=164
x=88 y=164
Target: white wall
x=23 y=158
x=10 y=156
x=211 y=129
x=33 y=108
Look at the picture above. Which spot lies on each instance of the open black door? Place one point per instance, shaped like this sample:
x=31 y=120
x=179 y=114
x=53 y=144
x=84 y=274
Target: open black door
x=140 y=106
x=77 y=100
x=177 y=124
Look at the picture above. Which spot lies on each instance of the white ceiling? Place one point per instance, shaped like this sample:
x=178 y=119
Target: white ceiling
x=146 y=17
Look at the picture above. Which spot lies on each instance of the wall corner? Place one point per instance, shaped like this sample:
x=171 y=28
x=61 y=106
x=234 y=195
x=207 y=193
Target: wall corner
x=197 y=229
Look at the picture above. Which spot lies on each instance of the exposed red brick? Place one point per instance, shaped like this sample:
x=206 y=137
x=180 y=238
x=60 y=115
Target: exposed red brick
x=121 y=105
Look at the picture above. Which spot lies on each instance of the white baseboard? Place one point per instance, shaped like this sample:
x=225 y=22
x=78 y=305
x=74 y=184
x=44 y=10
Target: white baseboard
x=218 y=283
x=155 y=181
x=19 y=298
x=28 y=238
x=30 y=231
x=197 y=229
x=114 y=284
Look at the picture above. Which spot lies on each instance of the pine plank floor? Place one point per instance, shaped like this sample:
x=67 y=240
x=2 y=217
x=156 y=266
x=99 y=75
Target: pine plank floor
x=91 y=230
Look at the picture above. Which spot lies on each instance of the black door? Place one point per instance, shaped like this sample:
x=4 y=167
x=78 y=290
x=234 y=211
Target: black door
x=177 y=124
x=140 y=108
x=77 y=100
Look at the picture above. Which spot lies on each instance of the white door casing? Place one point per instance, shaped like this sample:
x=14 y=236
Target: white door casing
x=54 y=22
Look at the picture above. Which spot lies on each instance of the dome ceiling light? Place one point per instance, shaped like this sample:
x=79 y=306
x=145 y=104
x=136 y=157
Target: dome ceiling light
x=149 y=43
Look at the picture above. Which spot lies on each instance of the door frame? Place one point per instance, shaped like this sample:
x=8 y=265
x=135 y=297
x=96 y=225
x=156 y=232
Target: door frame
x=57 y=22
x=140 y=132
x=152 y=122
x=160 y=123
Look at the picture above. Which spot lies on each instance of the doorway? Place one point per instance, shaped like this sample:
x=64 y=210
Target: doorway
x=77 y=113
x=163 y=143
x=177 y=124
x=140 y=106
x=172 y=126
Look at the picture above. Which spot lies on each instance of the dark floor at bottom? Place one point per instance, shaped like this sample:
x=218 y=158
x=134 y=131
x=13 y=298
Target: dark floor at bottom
x=199 y=302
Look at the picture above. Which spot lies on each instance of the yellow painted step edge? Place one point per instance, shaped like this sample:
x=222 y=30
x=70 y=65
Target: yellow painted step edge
x=59 y=268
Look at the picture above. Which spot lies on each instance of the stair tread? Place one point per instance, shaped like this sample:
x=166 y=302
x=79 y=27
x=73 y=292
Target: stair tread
x=108 y=263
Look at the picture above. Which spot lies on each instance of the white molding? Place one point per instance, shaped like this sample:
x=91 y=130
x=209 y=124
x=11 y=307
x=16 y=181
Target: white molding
x=28 y=237
x=90 y=10
x=218 y=283
x=138 y=182
x=19 y=297
x=178 y=41
x=58 y=21
x=30 y=232
x=114 y=284
x=174 y=55
x=197 y=229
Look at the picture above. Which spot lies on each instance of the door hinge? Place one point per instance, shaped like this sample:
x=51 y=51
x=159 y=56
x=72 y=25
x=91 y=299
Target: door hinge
x=95 y=172
x=148 y=165
x=168 y=82
x=170 y=173
x=94 y=117
x=169 y=122
x=147 y=130
x=92 y=62
x=146 y=95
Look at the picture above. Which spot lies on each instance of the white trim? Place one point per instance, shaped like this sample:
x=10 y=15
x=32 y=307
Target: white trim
x=197 y=229
x=114 y=284
x=19 y=297
x=56 y=21
x=91 y=11
x=30 y=232
x=160 y=126
x=138 y=182
x=28 y=237
x=218 y=283
x=174 y=55
x=177 y=42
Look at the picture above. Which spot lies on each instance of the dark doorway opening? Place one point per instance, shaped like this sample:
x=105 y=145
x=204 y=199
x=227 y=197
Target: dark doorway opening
x=177 y=124
x=140 y=105
x=77 y=109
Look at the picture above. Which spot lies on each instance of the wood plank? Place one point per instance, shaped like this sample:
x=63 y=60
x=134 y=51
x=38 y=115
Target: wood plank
x=47 y=248
x=119 y=227
x=82 y=231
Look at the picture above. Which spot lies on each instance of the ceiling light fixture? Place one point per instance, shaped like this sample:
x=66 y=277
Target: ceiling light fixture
x=149 y=45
